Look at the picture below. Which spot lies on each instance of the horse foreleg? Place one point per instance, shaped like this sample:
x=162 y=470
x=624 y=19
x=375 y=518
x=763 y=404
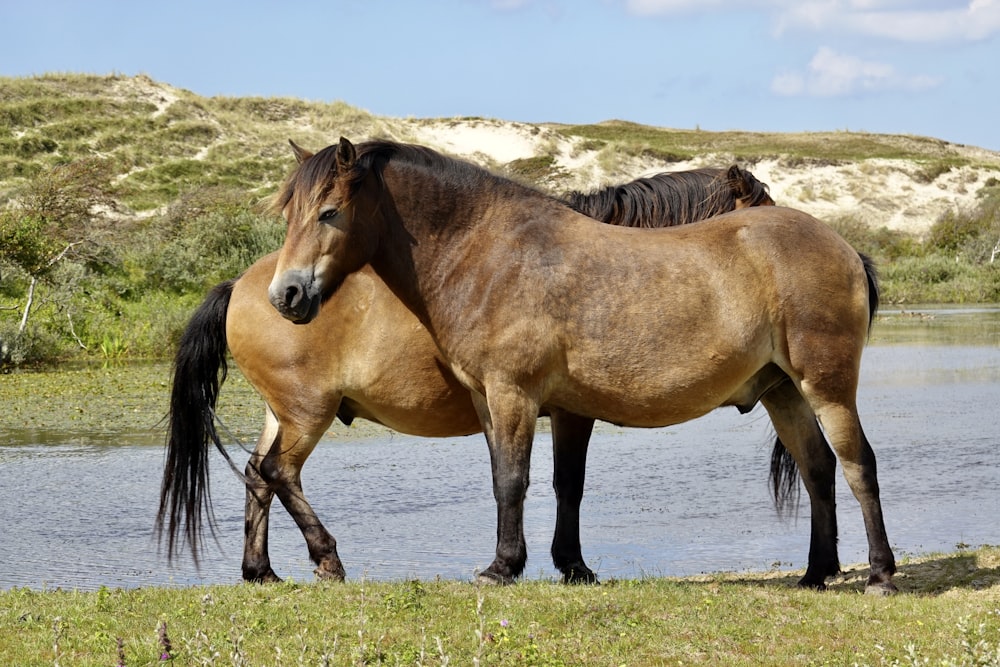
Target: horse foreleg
x=570 y=439
x=796 y=426
x=508 y=418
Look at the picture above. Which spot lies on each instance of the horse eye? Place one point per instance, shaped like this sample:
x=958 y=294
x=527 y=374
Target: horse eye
x=328 y=215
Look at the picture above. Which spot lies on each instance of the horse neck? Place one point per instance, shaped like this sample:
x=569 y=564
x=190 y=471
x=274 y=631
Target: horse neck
x=432 y=226
x=424 y=221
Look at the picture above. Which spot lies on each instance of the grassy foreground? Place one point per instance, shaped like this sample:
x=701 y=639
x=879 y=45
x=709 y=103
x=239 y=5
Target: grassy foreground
x=948 y=614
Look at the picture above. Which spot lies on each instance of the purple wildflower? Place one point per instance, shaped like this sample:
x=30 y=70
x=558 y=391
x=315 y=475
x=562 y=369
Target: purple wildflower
x=167 y=653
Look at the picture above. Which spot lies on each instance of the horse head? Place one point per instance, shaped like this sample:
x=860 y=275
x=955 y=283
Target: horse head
x=747 y=189
x=319 y=201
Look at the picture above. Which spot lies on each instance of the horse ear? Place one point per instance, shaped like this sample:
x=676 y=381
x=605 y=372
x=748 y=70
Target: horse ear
x=738 y=182
x=345 y=154
x=301 y=154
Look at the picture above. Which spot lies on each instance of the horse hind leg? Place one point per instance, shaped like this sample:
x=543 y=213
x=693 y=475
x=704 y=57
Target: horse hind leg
x=797 y=429
x=259 y=494
x=837 y=413
x=843 y=427
x=570 y=438
x=275 y=469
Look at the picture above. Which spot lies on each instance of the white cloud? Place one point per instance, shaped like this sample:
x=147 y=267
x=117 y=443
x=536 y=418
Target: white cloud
x=979 y=20
x=506 y=5
x=902 y=20
x=653 y=7
x=832 y=74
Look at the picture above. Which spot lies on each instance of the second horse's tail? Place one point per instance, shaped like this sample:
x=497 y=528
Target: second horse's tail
x=199 y=371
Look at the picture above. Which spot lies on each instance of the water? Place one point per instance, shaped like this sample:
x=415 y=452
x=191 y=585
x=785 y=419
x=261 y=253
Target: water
x=76 y=509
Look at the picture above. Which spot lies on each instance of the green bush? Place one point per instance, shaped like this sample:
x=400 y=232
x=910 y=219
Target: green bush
x=209 y=235
x=953 y=230
x=940 y=279
x=535 y=169
x=929 y=270
x=32 y=347
x=882 y=243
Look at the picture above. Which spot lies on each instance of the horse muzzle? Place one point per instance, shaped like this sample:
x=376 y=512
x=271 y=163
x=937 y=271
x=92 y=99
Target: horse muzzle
x=295 y=296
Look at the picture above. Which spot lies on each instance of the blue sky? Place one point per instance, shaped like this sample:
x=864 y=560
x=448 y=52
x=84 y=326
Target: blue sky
x=924 y=67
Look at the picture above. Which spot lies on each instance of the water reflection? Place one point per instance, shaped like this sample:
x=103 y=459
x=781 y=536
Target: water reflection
x=938 y=325
x=77 y=508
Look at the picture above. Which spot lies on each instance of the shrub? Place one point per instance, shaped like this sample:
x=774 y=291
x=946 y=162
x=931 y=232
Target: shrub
x=532 y=170
x=31 y=347
x=953 y=230
x=209 y=235
x=882 y=243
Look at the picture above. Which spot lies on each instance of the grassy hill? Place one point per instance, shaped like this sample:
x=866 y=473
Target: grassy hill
x=165 y=141
x=123 y=199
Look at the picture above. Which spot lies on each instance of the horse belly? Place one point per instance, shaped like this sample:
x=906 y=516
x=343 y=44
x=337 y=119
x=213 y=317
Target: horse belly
x=392 y=374
x=431 y=410
x=651 y=390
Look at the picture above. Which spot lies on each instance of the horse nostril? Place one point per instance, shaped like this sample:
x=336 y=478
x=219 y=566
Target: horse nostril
x=292 y=295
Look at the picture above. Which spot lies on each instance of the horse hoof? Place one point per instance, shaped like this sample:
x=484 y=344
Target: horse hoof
x=487 y=578
x=819 y=587
x=330 y=570
x=327 y=575
x=881 y=589
x=580 y=575
x=268 y=577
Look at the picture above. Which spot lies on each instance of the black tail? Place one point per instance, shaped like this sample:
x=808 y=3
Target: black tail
x=873 y=289
x=784 y=479
x=199 y=371
x=784 y=471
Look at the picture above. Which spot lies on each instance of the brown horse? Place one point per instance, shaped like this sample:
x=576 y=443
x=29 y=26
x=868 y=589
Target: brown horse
x=534 y=305
x=367 y=356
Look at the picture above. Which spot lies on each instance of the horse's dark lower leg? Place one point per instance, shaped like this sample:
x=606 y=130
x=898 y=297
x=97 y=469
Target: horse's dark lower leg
x=272 y=471
x=858 y=460
x=256 y=561
x=570 y=438
x=863 y=480
x=509 y=424
x=819 y=477
x=321 y=544
x=796 y=426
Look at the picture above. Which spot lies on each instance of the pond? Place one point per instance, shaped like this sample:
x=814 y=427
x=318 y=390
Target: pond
x=77 y=508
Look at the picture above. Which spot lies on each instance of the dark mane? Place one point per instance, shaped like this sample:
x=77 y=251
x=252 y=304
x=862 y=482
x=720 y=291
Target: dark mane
x=317 y=169
x=671 y=198
x=447 y=169
x=315 y=175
